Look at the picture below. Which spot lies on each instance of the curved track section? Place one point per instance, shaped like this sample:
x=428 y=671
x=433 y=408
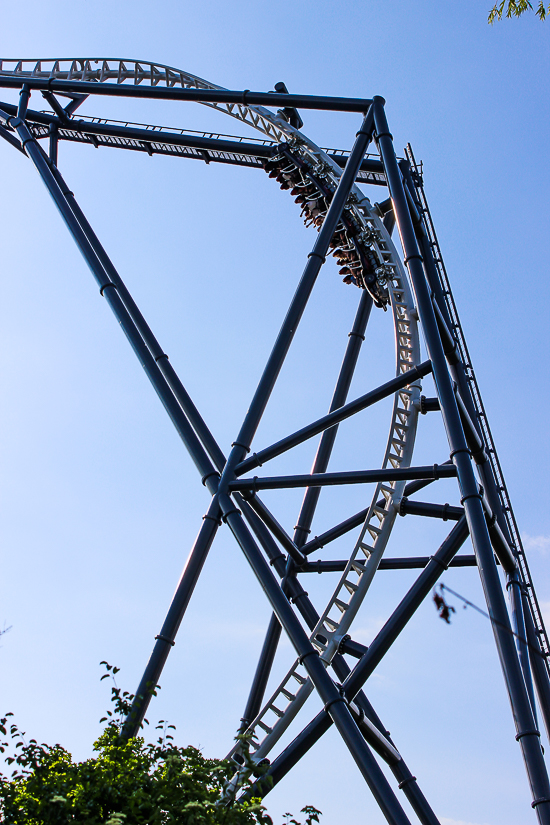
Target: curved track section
x=140 y=72
x=335 y=622
x=369 y=260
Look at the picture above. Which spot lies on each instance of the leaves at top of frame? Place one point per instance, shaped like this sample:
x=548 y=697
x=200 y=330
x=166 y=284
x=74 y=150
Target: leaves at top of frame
x=515 y=8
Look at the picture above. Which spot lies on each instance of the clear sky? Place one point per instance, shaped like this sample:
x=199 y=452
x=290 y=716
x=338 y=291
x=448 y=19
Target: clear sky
x=99 y=502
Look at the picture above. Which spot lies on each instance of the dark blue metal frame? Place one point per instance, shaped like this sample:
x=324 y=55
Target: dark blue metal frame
x=235 y=500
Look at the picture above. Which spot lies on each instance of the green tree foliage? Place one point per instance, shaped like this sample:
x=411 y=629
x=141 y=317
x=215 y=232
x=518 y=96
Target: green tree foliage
x=515 y=8
x=125 y=783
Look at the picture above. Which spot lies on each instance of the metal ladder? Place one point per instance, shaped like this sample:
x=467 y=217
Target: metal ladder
x=480 y=410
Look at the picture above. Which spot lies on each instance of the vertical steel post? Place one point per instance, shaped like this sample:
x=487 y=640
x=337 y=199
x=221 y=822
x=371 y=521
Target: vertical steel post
x=527 y=734
x=456 y=366
x=54 y=142
x=261 y=674
x=167 y=636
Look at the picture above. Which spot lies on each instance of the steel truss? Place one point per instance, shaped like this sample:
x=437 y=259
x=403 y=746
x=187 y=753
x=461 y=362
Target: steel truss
x=418 y=296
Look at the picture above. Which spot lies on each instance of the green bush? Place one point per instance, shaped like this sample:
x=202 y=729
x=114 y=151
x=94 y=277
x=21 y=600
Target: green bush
x=125 y=783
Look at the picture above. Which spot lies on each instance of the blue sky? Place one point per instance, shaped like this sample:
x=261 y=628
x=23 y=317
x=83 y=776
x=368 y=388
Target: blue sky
x=99 y=502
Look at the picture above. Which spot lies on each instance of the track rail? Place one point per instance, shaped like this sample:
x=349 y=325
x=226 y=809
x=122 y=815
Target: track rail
x=135 y=73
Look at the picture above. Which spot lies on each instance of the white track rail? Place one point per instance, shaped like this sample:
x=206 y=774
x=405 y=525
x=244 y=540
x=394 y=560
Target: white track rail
x=140 y=72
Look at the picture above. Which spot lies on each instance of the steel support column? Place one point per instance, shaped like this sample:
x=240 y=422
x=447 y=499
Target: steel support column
x=316 y=259
x=110 y=292
x=515 y=589
x=167 y=636
x=526 y=731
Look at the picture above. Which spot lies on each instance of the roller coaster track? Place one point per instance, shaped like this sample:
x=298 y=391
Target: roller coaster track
x=323 y=183
x=298 y=163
